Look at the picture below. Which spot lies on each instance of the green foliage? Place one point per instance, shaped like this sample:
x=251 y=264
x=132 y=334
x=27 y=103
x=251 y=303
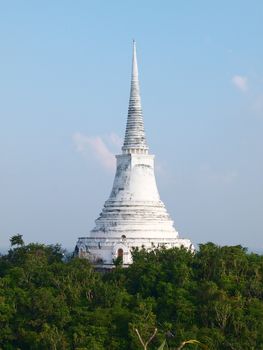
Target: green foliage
x=214 y=296
x=118 y=261
x=16 y=240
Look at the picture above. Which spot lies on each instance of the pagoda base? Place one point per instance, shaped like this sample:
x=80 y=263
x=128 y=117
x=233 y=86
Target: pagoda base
x=103 y=252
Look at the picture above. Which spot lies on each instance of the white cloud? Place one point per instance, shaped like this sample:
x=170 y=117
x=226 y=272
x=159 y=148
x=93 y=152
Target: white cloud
x=115 y=140
x=240 y=82
x=95 y=144
x=159 y=168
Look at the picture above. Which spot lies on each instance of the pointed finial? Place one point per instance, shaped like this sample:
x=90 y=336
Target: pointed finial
x=134 y=63
x=134 y=45
x=135 y=140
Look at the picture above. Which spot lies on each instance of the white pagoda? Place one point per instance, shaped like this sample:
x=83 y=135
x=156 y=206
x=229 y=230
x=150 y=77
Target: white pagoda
x=134 y=215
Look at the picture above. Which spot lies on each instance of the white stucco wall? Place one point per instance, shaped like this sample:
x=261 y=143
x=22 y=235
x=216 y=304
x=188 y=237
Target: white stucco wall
x=133 y=216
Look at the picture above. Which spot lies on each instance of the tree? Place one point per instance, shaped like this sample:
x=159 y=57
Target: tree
x=146 y=342
x=17 y=240
x=49 y=302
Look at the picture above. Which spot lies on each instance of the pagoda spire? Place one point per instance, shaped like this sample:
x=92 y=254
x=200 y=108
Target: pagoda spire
x=135 y=140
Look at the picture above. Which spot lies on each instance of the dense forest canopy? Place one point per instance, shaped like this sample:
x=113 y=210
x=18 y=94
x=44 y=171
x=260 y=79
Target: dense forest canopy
x=50 y=301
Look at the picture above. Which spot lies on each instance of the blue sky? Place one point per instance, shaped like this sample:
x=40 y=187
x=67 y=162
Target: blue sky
x=64 y=87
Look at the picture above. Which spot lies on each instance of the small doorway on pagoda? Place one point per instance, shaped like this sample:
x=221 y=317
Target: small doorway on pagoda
x=119 y=260
x=120 y=253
